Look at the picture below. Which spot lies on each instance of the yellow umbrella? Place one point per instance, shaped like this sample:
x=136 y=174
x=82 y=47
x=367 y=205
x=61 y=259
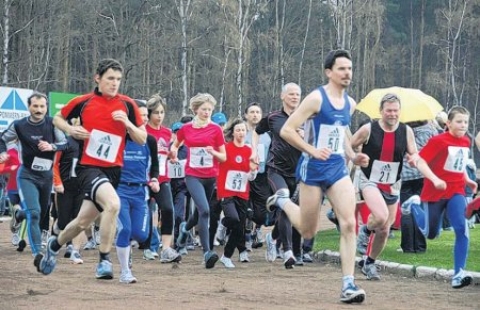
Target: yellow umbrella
x=415 y=104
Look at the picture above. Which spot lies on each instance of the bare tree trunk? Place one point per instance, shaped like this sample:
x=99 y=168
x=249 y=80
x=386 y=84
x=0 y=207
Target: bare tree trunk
x=420 y=52
x=412 y=44
x=183 y=9
x=300 y=66
x=6 y=39
x=452 y=58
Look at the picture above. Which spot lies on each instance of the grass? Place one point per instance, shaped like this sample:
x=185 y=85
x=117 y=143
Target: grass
x=439 y=252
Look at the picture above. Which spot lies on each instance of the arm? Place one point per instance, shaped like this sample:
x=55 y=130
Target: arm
x=8 y=135
x=154 y=168
x=77 y=132
x=412 y=151
x=477 y=141
x=423 y=167
x=57 y=180
x=221 y=155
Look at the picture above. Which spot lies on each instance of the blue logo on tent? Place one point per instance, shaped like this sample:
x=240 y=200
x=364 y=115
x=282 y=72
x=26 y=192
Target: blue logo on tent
x=14 y=102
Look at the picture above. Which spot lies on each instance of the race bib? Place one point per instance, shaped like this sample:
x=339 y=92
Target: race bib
x=332 y=137
x=236 y=181
x=456 y=159
x=176 y=170
x=41 y=164
x=200 y=158
x=103 y=145
x=162 y=162
x=384 y=172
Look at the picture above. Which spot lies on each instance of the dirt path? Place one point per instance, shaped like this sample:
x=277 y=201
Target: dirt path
x=255 y=285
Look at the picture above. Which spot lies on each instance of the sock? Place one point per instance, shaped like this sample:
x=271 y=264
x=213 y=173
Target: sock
x=367 y=231
x=123 y=255
x=369 y=260
x=282 y=201
x=348 y=281
x=104 y=256
x=55 y=246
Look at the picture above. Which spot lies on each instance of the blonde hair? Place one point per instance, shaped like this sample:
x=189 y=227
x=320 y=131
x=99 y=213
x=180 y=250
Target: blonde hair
x=199 y=99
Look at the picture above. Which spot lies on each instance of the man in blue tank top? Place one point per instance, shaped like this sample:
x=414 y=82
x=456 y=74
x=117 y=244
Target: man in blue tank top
x=325 y=114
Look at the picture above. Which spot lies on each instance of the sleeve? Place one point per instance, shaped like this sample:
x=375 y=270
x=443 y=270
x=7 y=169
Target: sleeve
x=74 y=107
x=152 y=145
x=60 y=139
x=262 y=126
x=430 y=150
x=181 y=134
x=8 y=135
x=12 y=160
x=220 y=138
x=133 y=112
x=57 y=180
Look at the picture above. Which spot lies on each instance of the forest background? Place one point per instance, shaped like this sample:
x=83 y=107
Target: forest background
x=242 y=51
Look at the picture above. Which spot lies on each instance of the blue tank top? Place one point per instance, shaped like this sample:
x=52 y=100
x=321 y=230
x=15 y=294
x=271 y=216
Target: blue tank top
x=136 y=163
x=327 y=128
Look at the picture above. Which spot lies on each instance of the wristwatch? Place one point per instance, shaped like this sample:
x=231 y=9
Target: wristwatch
x=54 y=147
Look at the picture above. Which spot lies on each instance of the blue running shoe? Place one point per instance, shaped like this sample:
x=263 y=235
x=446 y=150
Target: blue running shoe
x=210 y=259
x=352 y=294
x=49 y=260
x=104 y=270
x=182 y=235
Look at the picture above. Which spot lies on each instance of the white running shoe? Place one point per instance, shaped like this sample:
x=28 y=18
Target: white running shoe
x=76 y=258
x=127 y=277
x=227 y=262
x=244 y=257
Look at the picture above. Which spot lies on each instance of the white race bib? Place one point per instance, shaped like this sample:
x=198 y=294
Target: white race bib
x=456 y=159
x=200 y=158
x=176 y=170
x=236 y=181
x=162 y=162
x=384 y=172
x=332 y=137
x=103 y=145
x=41 y=164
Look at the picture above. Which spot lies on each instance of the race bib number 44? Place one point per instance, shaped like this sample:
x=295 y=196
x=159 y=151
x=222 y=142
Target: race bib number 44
x=103 y=145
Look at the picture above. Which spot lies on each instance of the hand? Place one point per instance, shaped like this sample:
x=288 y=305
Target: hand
x=78 y=132
x=210 y=150
x=254 y=159
x=44 y=146
x=253 y=166
x=361 y=159
x=154 y=186
x=173 y=156
x=3 y=157
x=440 y=184
x=120 y=116
x=322 y=154
x=59 y=189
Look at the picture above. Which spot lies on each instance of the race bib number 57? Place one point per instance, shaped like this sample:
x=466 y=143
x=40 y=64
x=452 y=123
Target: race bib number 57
x=103 y=145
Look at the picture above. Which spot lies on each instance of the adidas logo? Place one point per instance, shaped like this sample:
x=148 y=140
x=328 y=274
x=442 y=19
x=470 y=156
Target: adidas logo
x=105 y=140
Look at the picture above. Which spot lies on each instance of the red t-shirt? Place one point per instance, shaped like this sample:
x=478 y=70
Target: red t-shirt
x=232 y=179
x=199 y=163
x=10 y=168
x=446 y=156
x=106 y=144
x=163 y=137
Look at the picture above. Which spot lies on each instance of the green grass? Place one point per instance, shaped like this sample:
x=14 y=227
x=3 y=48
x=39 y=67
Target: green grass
x=439 y=251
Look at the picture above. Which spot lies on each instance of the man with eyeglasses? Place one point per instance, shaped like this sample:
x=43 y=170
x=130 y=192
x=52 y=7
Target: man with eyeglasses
x=385 y=141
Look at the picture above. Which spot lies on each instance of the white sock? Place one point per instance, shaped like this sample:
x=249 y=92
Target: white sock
x=123 y=255
x=347 y=280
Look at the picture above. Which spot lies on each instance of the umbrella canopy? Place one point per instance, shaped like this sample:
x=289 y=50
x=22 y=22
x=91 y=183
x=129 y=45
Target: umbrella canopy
x=415 y=104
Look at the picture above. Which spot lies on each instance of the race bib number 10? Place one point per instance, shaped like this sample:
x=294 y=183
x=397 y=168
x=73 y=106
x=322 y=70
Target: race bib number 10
x=103 y=145
x=176 y=170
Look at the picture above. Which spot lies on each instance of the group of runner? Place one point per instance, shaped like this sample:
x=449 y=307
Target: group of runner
x=119 y=155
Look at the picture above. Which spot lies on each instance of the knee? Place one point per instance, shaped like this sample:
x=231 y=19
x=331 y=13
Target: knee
x=347 y=226
x=308 y=234
x=112 y=207
x=204 y=214
x=34 y=215
x=231 y=223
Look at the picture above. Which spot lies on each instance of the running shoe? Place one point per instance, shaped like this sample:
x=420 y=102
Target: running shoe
x=68 y=251
x=127 y=277
x=288 y=259
x=271 y=252
x=14 y=223
x=104 y=270
x=272 y=200
x=227 y=262
x=307 y=258
x=76 y=258
x=371 y=271
x=90 y=245
x=352 y=294
x=49 y=260
x=244 y=257
x=169 y=255
x=461 y=279
x=210 y=258
x=148 y=255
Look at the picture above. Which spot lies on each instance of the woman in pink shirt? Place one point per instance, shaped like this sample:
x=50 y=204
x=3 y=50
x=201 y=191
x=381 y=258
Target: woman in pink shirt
x=206 y=148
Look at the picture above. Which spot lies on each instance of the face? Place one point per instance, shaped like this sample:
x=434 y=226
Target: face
x=144 y=114
x=390 y=113
x=291 y=97
x=253 y=115
x=109 y=82
x=157 y=116
x=204 y=111
x=37 y=109
x=239 y=132
x=458 y=126
x=341 y=72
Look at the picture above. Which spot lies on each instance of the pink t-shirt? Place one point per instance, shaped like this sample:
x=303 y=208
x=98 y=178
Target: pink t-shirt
x=163 y=137
x=200 y=163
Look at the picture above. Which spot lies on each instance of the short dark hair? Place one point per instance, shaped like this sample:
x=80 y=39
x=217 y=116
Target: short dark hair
x=252 y=104
x=106 y=64
x=36 y=95
x=140 y=103
x=333 y=55
x=186 y=119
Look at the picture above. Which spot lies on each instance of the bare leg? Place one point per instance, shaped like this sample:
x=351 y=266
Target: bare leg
x=108 y=199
